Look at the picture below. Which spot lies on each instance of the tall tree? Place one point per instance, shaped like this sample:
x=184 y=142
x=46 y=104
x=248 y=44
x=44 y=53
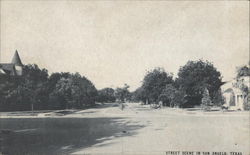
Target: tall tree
x=76 y=91
x=194 y=77
x=154 y=83
x=28 y=89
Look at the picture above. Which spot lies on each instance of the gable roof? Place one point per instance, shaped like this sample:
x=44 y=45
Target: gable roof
x=16 y=59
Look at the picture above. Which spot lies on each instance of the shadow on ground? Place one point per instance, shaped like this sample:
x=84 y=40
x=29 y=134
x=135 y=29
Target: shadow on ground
x=59 y=135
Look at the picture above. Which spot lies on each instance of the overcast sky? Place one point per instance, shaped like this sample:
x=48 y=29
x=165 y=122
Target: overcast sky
x=112 y=43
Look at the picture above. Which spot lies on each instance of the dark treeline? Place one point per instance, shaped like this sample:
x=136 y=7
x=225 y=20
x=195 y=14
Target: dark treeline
x=35 y=89
x=197 y=83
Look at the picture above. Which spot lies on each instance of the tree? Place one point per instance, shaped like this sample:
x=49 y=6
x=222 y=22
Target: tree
x=55 y=101
x=33 y=87
x=21 y=92
x=218 y=99
x=242 y=82
x=54 y=78
x=167 y=95
x=7 y=85
x=194 y=77
x=106 y=95
x=179 y=99
x=122 y=94
x=75 y=91
x=206 y=100
x=172 y=97
x=154 y=83
x=243 y=71
x=62 y=92
x=137 y=95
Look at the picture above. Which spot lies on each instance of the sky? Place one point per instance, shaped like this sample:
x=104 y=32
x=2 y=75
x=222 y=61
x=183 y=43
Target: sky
x=117 y=42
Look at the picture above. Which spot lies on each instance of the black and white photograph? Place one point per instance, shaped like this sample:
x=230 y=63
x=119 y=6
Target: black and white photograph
x=126 y=77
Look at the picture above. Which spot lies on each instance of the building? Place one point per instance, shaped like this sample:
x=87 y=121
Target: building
x=15 y=68
x=233 y=94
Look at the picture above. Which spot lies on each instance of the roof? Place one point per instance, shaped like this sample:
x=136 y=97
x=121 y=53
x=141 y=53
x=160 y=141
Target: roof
x=229 y=90
x=226 y=85
x=2 y=71
x=8 y=68
x=16 y=59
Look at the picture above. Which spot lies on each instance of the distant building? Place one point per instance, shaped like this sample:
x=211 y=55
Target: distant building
x=15 y=68
x=233 y=94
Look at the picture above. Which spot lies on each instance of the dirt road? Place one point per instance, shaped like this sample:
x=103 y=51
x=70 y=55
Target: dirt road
x=135 y=130
x=176 y=130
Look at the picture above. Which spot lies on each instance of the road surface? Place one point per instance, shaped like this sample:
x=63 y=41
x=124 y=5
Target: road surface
x=135 y=130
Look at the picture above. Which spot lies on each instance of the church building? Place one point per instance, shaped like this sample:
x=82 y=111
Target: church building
x=15 y=68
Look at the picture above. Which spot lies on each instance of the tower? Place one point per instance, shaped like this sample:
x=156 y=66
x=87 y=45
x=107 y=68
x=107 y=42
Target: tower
x=16 y=61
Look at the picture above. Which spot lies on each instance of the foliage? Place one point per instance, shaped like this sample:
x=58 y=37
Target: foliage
x=172 y=97
x=122 y=94
x=242 y=82
x=106 y=95
x=243 y=71
x=246 y=104
x=206 y=100
x=137 y=95
x=179 y=99
x=75 y=91
x=35 y=87
x=154 y=83
x=194 y=77
x=218 y=99
x=167 y=95
x=19 y=92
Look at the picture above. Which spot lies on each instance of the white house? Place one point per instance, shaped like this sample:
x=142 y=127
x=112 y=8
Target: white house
x=233 y=95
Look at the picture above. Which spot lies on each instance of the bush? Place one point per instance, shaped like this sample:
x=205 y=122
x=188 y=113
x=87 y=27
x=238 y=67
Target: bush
x=206 y=100
x=247 y=102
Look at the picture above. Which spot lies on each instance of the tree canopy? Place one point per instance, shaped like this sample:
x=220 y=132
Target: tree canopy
x=22 y=91
x=75 y=91
x=195 y=77
x=35 y=88
x=243 y=71
x=106 y=95
x=67 y=90
x=154 y=83
x=122 y=94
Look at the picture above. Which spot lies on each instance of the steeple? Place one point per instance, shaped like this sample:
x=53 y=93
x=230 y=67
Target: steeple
x=16 y=59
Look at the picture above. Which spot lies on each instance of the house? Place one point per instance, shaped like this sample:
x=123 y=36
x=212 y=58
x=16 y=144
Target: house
x=233 y=94
x=15 y=68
